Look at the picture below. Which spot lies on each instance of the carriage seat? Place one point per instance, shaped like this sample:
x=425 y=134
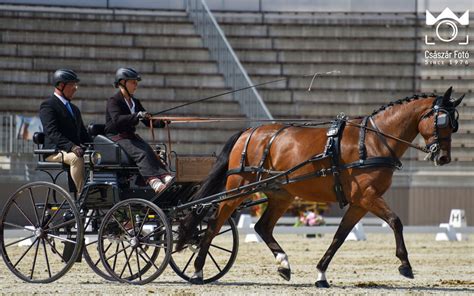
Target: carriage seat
x=111 y=153
x=38 y=139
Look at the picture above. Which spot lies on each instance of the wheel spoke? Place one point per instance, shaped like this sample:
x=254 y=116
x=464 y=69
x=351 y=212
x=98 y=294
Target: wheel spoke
x=23 y=213
x=45 y=206
x=149 y=259
x=121 y=226
x=157 y=245
x=176 y=251
x=131 y=217
x=61 y=238
x=127 y=263
x=221 y=248
x=29 y=248
x=143 y=222
x=187 y=263
x=20 y=240
x=155 y=232
x=46 y=257
x=214 y=260
x=55 y=251
x=60 y=225
x=55 y=213
x=138 y=265
x=117 y=252
x=115 y=259
x=34 y=260
x=106 y=249
x=18 y=226
x=34 y=206
x=222 y=232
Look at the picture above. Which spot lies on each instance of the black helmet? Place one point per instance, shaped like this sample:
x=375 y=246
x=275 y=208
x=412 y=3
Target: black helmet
x=126 y=74
x=65 y=76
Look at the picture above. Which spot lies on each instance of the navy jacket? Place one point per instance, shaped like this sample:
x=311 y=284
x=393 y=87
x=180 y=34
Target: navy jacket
x=62 y=131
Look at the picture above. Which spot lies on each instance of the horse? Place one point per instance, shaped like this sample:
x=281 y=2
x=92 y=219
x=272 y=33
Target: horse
x=387 y=134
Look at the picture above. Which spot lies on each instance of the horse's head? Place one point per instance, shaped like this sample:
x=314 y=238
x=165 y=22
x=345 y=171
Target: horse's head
x=437 y=125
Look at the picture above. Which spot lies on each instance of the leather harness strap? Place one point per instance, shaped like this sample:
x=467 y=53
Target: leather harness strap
x=362 y=133
x=267 y=150
x=244 y=151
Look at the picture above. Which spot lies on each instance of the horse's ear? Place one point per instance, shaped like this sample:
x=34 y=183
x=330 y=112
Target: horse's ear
x=458 y=101
x=447 y=95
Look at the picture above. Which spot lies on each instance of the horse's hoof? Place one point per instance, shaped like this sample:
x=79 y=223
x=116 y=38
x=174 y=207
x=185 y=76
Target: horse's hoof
x=284 y=273
x=322 y=284
x=406 y=271
x=196 y=281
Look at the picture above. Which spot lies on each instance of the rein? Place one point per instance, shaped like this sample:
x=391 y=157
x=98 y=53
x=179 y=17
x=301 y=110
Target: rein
x=377 y=131
x=305 y=121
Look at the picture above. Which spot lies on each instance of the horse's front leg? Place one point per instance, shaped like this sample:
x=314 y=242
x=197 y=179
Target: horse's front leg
x=380 y=208
x=351 y=217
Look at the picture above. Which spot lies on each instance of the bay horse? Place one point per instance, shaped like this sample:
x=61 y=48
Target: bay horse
x=388 y=132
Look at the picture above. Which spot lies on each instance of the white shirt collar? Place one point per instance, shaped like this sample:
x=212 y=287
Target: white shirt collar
x=132 y=108
x=61 y=98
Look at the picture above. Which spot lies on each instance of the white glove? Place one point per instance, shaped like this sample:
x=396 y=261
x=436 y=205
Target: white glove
x=143 y=115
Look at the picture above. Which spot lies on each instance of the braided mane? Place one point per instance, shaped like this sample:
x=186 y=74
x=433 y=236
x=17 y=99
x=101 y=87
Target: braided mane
x=402 y=101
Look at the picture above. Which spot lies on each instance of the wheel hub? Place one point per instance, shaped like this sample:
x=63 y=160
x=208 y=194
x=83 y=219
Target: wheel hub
x=39 y=232
x=134 y=242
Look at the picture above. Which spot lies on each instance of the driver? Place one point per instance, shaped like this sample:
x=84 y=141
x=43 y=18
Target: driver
x=123 y=114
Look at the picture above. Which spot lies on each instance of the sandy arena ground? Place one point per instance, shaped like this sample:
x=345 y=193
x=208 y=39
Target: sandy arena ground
x=368 y=267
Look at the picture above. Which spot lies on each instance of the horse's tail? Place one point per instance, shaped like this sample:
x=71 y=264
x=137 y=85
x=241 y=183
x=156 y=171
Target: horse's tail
x=213 y=184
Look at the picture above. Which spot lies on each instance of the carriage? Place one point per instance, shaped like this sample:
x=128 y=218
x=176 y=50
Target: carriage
x=126 y=233
x=59 y=228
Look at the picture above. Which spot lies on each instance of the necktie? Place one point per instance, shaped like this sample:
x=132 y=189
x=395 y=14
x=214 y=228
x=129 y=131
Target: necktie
x=68 y=107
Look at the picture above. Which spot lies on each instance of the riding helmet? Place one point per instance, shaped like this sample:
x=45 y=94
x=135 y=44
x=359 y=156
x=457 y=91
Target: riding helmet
x=126 y=74
x=65 y=76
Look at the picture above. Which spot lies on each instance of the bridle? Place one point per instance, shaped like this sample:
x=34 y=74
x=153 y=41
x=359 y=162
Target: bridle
x=444 y=116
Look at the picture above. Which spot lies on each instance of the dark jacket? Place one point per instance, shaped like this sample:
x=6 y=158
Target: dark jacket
x=120 y=121
x=62 y=131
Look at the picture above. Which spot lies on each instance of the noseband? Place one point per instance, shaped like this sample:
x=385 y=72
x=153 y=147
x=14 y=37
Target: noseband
x=444 y=115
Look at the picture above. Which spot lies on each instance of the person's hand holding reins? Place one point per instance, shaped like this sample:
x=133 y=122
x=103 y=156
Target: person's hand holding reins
x=143 y=115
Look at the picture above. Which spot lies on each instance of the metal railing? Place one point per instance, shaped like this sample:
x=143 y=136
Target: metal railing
x=229 y=65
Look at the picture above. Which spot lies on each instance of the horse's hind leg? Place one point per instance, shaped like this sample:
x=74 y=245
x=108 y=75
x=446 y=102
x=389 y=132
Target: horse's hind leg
x=278 y=203
x=380 y=208
x=351 y=217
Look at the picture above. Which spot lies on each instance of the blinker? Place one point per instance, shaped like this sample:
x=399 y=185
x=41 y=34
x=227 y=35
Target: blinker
x=442 y=120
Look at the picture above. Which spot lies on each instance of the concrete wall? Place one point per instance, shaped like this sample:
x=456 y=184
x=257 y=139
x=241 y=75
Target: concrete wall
x=365 y=6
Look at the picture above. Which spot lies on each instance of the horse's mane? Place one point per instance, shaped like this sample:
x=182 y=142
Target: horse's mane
x=402 y=101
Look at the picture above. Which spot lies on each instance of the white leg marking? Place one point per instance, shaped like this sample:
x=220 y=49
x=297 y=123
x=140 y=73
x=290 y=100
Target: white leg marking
x=321 y=276
x=282 y=260
x=198 y=274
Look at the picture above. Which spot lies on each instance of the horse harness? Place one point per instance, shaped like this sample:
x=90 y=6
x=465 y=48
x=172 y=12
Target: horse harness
x=332 y=151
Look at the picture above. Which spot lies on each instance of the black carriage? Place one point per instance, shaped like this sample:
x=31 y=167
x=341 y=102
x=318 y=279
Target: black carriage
x=117 y=224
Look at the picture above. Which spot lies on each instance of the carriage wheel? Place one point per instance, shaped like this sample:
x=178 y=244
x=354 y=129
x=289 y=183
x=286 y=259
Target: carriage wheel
x=41 y=232
x=91 y=243
x=135 y=241
x=219 y=259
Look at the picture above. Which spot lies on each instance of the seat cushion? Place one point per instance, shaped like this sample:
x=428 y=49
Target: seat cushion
x=111 y=153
